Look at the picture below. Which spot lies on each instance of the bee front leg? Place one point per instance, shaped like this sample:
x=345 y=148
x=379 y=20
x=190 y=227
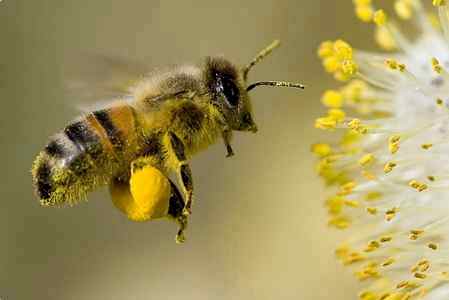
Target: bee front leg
x=184 y=172
x=227 y=134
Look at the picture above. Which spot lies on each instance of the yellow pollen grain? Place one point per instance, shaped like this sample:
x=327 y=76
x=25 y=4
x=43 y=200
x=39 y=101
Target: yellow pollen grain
x=440 y=102
x=419 y=186
x=389 y=167
x=426 y=146
x=431 y=178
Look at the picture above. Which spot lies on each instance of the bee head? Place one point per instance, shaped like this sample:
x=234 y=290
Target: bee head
x=227 y=85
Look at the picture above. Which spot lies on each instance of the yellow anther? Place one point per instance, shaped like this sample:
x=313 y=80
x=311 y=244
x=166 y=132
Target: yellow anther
x=386 y=239
x=419 y=186
x=389 y=167
x=353 y=257
x=325 y=123
x=402 y=284
x=338 y=59
x=431 y=178
x=369 y=271
x=364 y=13
x=332 y=99
x=326 y=49
x=353 y=91
x=391 y=213
x=414 y=234
x=352 y=203
x=368 y=295
x=393 y=143
x=340 y=222
x=432 y=246
x=343 y=50
x=373 y=196
x=417 y=231
x=321 y=149
x=335 y=205
x=385 y=39
x=404 y=9
x=440 y=102
x=366 y=160
x=349 y=68
x=347 y=188
x=356 y=125
x=423 y=265
x=388 y=262
x=336 y=114
x=368 y=175
x=426 y=146
x=420 y=275
x=394 y=65
x=380 y=18
x=436 y=65
x=371 y=210
x=438 y=2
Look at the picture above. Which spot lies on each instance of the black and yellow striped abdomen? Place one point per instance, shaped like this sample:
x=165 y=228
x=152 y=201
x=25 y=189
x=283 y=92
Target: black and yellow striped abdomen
x=85 y=155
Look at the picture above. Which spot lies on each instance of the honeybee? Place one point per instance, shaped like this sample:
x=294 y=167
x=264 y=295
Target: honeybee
x=134 y=145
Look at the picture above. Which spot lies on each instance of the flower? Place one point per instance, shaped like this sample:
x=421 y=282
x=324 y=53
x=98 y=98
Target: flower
x=388 y=166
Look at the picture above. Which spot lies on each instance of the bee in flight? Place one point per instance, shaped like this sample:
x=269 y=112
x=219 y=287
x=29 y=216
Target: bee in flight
x=134 y=145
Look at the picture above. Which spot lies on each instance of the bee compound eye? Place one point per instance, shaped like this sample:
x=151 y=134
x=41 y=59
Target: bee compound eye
x=230 y=91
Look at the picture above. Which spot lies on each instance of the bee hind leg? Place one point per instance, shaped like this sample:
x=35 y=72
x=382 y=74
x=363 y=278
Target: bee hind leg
x=183 y=171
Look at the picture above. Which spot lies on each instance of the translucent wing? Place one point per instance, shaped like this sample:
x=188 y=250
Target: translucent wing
x=94 y=78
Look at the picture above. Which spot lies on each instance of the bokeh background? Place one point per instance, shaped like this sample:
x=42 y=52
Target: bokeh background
x=259 y=228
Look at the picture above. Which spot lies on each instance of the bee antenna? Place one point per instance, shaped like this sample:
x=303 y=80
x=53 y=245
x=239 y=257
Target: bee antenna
x=261 y=55
x=276 y=84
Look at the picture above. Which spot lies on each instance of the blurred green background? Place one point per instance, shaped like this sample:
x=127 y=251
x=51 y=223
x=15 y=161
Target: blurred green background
x=259 y=227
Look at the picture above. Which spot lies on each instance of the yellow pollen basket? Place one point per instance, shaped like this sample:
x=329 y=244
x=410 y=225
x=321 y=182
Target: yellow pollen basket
x=146 y=197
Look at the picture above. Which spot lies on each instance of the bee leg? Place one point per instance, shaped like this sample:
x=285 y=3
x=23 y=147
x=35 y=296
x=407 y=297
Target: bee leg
x=176 y=206
x=184 y=172
x=227 y=141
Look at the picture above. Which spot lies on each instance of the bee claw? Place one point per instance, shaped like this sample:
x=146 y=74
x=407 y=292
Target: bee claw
x=186 y=212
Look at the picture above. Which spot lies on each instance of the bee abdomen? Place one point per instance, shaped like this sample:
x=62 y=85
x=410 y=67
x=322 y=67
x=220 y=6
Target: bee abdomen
x=83 y=156
x=70 y=164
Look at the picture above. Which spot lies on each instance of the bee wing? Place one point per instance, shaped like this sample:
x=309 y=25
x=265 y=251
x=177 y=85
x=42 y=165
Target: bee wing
x=90 y=78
